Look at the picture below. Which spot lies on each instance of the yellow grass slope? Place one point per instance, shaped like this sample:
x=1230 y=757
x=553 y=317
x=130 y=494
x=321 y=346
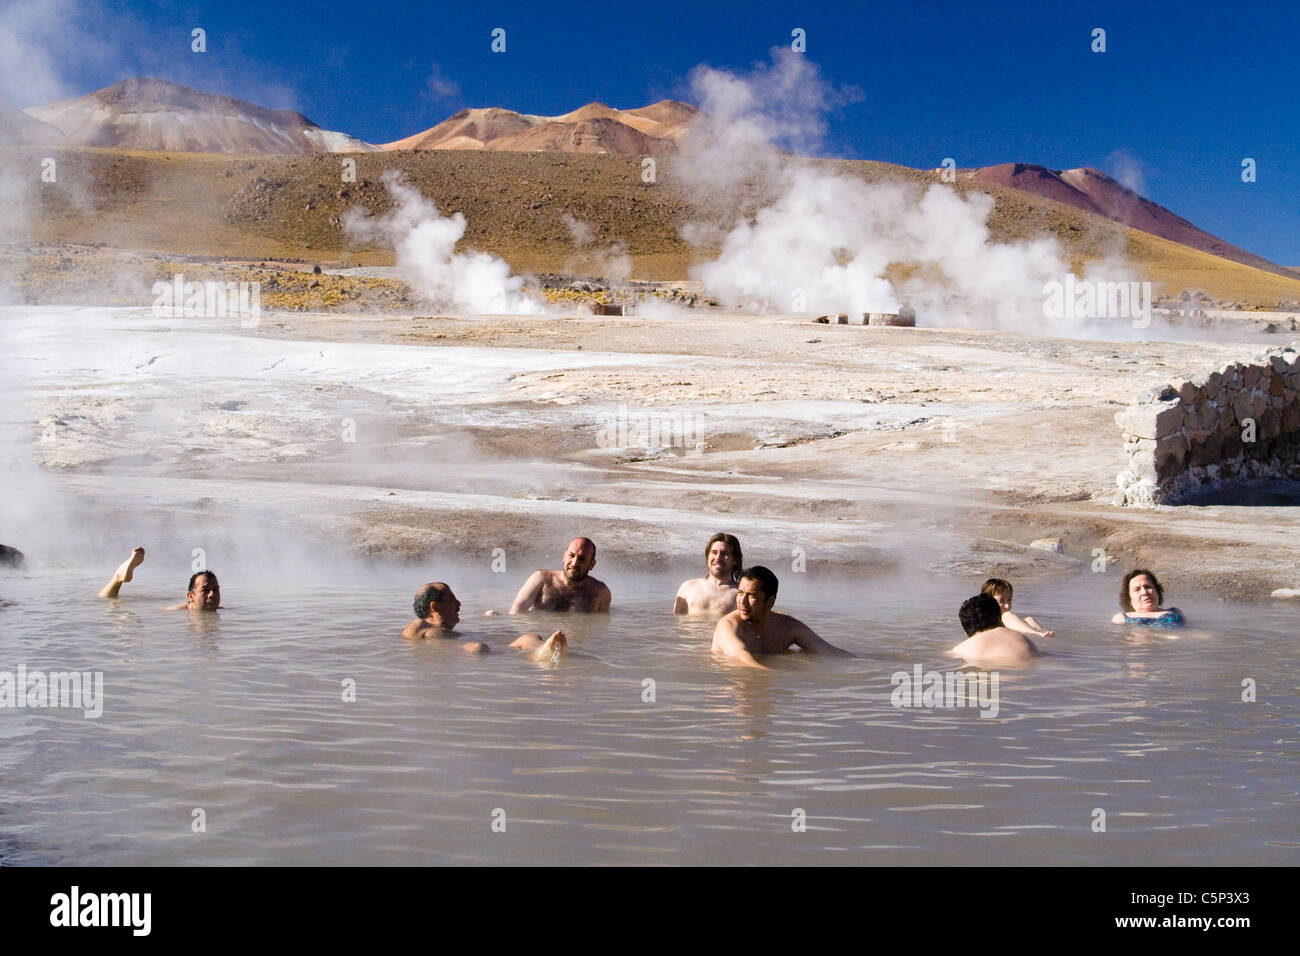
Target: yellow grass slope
x=516 y=205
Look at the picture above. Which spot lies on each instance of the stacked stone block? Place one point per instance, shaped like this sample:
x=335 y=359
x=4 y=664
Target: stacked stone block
x=1238 y=423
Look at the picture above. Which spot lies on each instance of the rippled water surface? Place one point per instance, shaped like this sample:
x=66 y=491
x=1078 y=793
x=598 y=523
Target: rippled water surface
x=243 y=716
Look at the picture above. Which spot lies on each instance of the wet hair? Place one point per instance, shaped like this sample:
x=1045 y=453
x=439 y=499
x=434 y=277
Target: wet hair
x=765 y=578
x=733 y=545
x=198 y=574
x=996 y=587
x=980 y=613
x=426 y=597
x=1126 y=602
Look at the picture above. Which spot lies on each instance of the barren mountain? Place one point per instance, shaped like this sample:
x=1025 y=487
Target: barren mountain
x=19 y=129
x=153 y=114
x=1095 y=192
x=595 y=128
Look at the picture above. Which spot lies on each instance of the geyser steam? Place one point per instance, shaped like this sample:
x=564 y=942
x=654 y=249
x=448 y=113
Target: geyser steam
x=425 y=242
x=820 y=240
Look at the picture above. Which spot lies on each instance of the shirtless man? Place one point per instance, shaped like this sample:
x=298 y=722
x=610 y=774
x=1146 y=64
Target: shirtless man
x=567 y=590
x=754 y=628
x=437 y=611
x=715 y=594
x=202 y=594
x=988 y=643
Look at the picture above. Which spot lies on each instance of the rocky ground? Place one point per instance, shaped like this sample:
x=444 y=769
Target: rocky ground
x=865 y=449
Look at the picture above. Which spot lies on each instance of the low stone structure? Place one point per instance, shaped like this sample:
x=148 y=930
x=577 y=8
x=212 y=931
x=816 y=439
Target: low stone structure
x=905 y=316
x=1239 y=423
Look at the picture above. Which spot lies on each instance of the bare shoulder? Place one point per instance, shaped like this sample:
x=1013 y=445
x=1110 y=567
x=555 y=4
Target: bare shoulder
x=1022 y=642
x=727 y=624
x=787 y=624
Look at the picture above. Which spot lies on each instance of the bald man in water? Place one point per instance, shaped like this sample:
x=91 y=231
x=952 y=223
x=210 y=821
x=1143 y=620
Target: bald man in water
x=570 y=589
x=437 y=612
x=753 y=628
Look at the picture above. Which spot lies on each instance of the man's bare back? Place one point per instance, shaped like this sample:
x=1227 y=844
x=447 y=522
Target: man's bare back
x=997 y=647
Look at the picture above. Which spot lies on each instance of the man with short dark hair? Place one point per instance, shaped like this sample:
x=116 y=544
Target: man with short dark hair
x=203 y=593
x=571 y=589
x=715 y=593
x=754 y=628
x=437 y=612
x=988 y=643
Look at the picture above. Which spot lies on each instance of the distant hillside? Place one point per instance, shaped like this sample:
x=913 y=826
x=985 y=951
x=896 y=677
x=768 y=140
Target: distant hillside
x=19 y=129
x=1095 y=192
x=595 y=128
x=517 y=205
x=153 y=114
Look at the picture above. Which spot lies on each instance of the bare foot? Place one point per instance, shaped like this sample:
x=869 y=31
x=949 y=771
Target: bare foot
x=122 y=574
x=130 y=564
x=551 y=648
x=491 y=613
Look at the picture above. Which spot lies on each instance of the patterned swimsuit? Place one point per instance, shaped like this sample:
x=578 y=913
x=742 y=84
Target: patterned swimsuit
x=1170 y=618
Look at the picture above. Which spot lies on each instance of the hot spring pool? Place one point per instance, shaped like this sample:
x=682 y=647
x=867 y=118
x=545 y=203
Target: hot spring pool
x=243 y=718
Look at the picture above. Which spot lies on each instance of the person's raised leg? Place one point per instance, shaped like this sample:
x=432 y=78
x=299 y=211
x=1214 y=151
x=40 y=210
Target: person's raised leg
x=541 y=650
x=123 y=574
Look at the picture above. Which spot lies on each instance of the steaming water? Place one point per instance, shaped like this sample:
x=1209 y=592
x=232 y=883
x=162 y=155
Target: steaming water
x=242 y=715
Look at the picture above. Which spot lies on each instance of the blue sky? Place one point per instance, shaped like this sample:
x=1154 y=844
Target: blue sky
x=1184 y=92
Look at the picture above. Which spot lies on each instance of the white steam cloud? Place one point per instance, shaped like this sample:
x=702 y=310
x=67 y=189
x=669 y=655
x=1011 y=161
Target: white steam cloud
x=808 y=238
x=425 y=242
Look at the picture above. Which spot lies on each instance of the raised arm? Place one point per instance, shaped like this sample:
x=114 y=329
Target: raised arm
x=529 y=593
x=728 y=645
x=123 y=574
x=1024 y=625
x=810 y=643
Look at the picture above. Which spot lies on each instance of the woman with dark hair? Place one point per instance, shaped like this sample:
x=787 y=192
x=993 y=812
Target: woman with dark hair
x=1141 y=601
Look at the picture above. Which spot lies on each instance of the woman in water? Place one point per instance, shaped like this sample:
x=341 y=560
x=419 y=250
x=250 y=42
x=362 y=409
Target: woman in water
x=1140 y=598
x=1001 y=592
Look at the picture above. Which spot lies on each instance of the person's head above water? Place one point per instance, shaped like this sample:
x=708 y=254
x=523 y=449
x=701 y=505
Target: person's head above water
x=999 y=590
x=723 y=557
x=579 y=558
x=757 y=588
x=980 y=613
x=203 y=593
x=1140 y=591
x=436 y=603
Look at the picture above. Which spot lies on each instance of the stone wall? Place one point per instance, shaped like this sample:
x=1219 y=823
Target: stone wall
x=1239 y=423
